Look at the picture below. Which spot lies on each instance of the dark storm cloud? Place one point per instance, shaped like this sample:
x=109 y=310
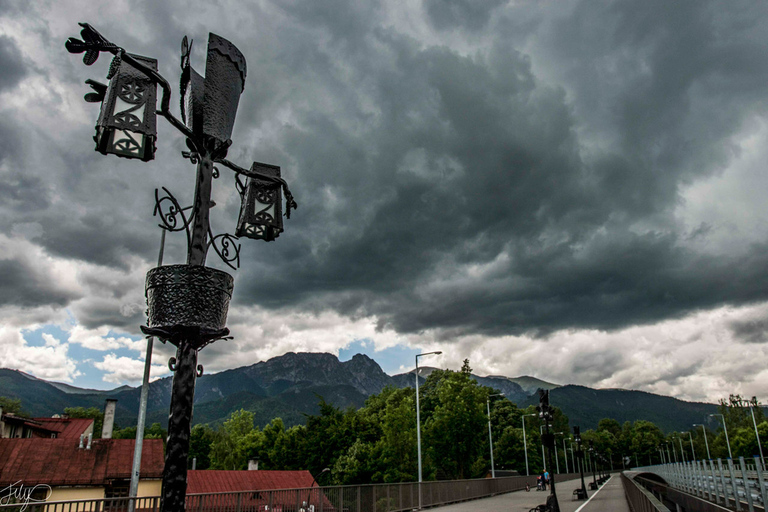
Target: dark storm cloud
x=11 y=64
x=25 y=287
x=468 y=158
x=463 y=190
x=750 y=331
x=468 y=14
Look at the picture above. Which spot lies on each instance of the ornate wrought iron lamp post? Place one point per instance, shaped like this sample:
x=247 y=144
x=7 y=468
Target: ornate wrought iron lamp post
x=582 y=492
x=187 y=304
x=546 y=414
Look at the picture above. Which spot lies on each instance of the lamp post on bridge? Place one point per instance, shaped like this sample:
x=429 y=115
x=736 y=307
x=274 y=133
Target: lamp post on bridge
x=682 y=451
x=546 y=414
x=693 y=450
x=525 y=444
x=593 y=485
x=706 y=443
x=418 y=415
x=565 y=453
x=725 y=429
x=750 y=404
x=581 y=493
x=490 y=435
x=187 y=304
x=557 y=461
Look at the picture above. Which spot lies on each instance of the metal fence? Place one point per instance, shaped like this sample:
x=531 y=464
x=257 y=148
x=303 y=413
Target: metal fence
x=399 y=497
x=736 y=484
x=639 y=498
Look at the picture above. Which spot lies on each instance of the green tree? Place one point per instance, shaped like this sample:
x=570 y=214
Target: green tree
x=236 y=442
x=155 y=431
x=92 y=412
x=455 y=429
x=11 y=406
x=200 y=441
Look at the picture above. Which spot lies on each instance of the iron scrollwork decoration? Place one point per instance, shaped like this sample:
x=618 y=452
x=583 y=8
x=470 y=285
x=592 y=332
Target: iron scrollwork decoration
x=227 y=248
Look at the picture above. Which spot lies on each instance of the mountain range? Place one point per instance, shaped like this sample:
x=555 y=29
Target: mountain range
x=289 y=386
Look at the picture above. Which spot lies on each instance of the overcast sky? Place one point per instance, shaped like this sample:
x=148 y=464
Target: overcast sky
x=567 y=189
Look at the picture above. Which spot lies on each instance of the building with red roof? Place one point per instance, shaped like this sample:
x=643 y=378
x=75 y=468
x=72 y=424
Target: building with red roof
x=13 y=426
x=253 y=490
x=76 y=469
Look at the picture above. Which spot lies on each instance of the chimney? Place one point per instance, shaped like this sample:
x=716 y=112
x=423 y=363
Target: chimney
x=90 y=439
x=109 y=418
x=82 y=437
x=253 y=465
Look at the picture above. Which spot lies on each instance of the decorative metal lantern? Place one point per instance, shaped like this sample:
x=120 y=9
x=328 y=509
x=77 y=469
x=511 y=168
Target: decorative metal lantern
x=261 y=213
x=209 y=104
x=126 y=125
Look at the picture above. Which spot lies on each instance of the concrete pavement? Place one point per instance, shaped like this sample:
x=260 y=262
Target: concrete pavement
x=608 y=498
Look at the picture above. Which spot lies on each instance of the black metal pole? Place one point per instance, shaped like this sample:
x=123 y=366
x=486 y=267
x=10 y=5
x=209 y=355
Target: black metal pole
x=200 y=227
x=552 y=503
x=174 y=488
x=583 y=495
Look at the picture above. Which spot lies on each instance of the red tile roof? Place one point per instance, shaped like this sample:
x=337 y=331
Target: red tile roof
x=209 y=481
x=62 y=462
x=203 y=484
x=67 y=428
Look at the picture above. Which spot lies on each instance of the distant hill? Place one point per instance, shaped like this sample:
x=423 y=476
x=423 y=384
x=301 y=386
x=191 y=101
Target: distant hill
x=586 y=407
x=289 y=386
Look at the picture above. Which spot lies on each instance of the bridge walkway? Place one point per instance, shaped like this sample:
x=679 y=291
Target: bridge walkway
x=608 y=498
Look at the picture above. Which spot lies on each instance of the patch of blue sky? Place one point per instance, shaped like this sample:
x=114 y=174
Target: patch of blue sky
x=90 y=377
x=393 y=360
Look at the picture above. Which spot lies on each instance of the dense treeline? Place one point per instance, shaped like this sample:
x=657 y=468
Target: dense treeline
x=377 y=443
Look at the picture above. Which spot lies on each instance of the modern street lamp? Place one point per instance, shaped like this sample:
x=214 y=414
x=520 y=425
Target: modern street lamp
x=573 y=460
x=593 y=485
x=525 y=445
x=565 y=454
x=693 y=450
x=725 y=429
x=706 y=443
x=187 y=304
x=682 y=452
x=557 y=462
x=747 y=403
x=418 y=415
x=582 y=492
x=490 y=435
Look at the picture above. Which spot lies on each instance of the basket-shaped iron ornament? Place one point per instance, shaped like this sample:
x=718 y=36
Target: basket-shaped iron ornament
x=187 y=302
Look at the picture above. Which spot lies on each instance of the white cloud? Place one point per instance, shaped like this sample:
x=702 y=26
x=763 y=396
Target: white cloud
x=99 y=339
x=125 y=370
x=48 y=362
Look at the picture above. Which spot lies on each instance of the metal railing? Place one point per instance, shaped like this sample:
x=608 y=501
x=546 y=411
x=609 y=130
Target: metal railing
x=396 y=497
x=736 y=484
x=639 y=498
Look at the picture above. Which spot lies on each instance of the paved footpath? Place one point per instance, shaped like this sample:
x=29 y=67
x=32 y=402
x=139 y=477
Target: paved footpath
x=608 y=498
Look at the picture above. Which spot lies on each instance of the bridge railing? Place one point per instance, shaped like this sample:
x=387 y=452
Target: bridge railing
x=396 y=497
x=639 y=498
x=736 y=484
